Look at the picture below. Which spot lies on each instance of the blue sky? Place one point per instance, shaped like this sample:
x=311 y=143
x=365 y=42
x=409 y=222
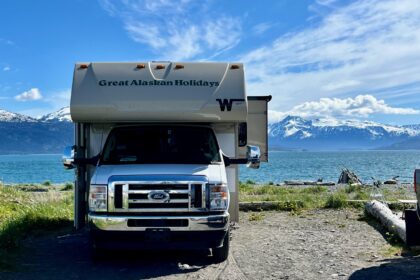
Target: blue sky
x=322 y=58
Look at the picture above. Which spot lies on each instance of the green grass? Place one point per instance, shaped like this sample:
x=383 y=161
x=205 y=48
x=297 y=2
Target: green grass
x=392 y=250
x=23 y=212
x=313 y=197
x=288 y=199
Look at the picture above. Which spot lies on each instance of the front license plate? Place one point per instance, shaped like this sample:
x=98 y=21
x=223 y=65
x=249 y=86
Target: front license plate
x=157 y=234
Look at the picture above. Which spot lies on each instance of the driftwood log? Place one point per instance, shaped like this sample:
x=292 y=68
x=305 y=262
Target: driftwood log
x=348 y=177
x=392 y=222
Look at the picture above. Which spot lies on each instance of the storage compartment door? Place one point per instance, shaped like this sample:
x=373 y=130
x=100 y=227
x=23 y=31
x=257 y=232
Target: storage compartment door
x=257 y=124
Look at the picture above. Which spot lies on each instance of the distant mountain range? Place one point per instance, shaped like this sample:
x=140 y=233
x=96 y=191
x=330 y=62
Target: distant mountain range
x=296 y=133
x=20 y=134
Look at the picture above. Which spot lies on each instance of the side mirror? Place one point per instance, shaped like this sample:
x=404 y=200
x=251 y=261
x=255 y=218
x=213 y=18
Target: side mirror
x=68 y=157
x=253 y=155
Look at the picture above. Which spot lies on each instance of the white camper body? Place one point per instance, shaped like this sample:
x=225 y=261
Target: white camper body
x=109 y=99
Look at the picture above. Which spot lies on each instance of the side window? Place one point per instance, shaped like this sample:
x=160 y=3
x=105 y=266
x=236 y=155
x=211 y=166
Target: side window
x=213 y=148
x=110 y=147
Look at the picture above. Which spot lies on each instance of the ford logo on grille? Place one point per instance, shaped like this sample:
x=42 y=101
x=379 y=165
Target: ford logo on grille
x=158 y=195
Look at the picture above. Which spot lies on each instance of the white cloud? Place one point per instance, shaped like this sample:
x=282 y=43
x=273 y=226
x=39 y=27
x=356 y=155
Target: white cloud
x=275 y=116
x=368 y=46
x=261 y=28
x=53 y=101
x=325 y=2
x=333 y=86
x=32 y=94
x=168 y=6
x=143 y=33
x=222 y=33
x=187 y=44
x=361 y=106
x=176 y=30
x=6 y=68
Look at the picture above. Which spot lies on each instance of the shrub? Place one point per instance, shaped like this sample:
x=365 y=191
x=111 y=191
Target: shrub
x=67 y=187
x=291 y=205
x=47 y=183
x=256 y=216
x=336 y=200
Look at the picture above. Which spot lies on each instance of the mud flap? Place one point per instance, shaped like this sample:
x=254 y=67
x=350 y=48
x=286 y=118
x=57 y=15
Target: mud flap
x=412 y=226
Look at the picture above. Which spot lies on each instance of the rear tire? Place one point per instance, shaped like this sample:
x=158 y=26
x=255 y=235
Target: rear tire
x=221 y=254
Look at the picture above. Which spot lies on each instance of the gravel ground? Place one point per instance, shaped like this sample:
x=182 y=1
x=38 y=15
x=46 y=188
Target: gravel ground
x=319 y=244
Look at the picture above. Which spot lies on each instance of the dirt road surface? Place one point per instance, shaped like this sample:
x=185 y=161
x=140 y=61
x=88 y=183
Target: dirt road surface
x=319 y=244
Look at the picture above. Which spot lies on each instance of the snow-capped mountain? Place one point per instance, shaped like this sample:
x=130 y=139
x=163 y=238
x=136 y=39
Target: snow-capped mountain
x=23 y=134
x=6 y=116
x=412 y=126
x=330 y=134
x=291 y=126
x=62 y=115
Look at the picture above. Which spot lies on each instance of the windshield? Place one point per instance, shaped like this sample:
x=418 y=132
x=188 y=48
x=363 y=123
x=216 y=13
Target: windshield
x=161 y=144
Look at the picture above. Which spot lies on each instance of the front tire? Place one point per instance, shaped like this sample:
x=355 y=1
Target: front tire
x=96 y=252
x=418 y=210
x=221 y=254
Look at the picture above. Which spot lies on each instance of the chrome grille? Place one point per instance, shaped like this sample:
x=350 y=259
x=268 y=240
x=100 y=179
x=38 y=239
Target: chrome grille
x=135 y=193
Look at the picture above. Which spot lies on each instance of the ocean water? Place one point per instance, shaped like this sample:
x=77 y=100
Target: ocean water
x=282 y=166
x=381 y=165
x=33 y=169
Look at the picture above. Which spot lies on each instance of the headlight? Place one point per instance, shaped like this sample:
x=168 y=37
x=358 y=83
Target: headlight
x=219 y=197
x=98 y=198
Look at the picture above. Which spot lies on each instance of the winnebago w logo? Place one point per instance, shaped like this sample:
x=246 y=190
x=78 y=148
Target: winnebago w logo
x=227 y=103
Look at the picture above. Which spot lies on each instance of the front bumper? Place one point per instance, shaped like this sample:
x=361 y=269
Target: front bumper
x=101 y=222
x=189 y=232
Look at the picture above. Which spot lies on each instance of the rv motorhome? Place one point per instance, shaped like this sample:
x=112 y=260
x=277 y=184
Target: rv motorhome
x=157 y=148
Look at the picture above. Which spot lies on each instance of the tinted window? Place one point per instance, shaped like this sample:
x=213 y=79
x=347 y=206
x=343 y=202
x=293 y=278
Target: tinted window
x=161 y=144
